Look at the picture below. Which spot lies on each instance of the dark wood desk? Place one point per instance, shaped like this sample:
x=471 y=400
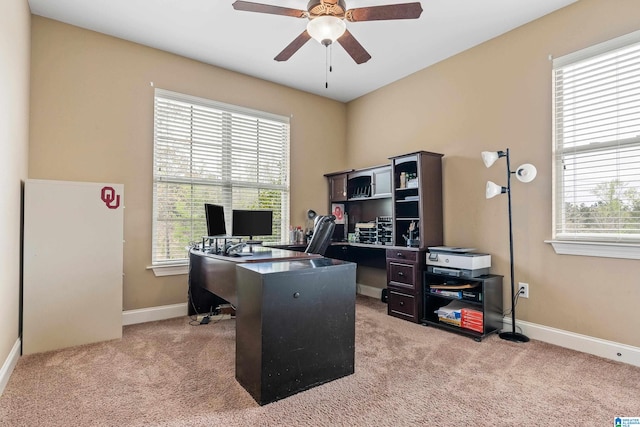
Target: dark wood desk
x=217 y=273
x=295 y=317
x=364 y=254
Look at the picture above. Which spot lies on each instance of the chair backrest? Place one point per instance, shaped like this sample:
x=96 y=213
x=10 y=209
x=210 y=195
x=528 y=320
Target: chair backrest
x=322 y=233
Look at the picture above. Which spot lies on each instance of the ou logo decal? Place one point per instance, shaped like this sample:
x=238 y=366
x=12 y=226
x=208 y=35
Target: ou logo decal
x=110 y=198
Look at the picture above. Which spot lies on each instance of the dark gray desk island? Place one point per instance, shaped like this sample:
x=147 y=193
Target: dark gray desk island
x=295 y=319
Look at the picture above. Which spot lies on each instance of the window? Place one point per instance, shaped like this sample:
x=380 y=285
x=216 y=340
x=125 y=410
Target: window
x=597 y=143
x=208 y=152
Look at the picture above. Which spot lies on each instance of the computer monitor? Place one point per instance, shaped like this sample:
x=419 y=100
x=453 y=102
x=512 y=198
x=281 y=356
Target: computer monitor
x=252 y=223
x=215 y=220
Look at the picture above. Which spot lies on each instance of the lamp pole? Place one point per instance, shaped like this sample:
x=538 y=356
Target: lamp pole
x=513 y=335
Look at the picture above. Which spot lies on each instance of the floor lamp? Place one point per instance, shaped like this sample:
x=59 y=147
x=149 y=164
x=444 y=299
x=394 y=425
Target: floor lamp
x=524 y=173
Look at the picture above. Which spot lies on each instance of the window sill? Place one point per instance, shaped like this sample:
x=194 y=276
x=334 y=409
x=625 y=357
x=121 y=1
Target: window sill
x=170 y=269
x=596 y=249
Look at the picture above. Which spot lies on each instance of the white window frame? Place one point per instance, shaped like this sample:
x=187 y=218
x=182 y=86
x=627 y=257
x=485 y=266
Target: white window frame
x=220 y=178
x=616 y=244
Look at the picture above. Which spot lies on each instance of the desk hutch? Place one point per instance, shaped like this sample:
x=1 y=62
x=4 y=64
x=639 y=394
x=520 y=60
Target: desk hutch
x=405 y=195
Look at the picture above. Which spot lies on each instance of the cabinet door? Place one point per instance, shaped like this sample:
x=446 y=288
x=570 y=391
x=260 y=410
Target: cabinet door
x=338 y=188
x=381 y=182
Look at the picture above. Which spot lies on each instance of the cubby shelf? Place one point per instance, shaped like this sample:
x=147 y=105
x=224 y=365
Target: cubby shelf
x=488 y=289
x=425 y=207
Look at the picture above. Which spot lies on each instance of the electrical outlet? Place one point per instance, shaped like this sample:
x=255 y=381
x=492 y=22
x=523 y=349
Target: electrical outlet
x=523 y=289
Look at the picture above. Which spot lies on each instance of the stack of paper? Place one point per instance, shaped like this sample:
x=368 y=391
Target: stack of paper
x=451 y=313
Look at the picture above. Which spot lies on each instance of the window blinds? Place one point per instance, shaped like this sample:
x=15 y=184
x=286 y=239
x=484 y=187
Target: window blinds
x=597 y=142
x=209 y=152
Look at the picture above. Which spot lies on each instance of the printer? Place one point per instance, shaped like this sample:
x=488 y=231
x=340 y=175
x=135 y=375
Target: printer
x=457 y=262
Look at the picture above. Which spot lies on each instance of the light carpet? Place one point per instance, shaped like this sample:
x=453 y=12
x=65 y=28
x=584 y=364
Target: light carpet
x=169 y=373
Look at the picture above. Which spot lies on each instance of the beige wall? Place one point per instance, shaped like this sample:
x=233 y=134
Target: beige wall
x=15 y=21
x=92 y=120
x=495 y=96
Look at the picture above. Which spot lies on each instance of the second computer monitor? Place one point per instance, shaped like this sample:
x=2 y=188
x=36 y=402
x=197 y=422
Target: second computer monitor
x=252 y=223
x=215 y=220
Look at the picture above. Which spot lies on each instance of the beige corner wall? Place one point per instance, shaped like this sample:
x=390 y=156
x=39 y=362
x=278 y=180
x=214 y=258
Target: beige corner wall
x=92 y=120
x=495 y=96
x=15 y=21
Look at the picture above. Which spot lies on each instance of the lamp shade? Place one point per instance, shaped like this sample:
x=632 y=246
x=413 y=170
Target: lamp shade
x=326 y=29
x=489 y=157
x=526 y=172
x=493 y=190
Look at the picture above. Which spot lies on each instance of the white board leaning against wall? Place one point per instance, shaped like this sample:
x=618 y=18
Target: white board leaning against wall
x=72 y=268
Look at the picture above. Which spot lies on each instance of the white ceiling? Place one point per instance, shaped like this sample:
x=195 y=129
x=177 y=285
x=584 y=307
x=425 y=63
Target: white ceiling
x=213 y=32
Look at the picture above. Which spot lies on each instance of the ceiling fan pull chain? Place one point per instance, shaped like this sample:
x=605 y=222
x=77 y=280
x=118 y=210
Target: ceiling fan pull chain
x=326 y=67
x=328 y=58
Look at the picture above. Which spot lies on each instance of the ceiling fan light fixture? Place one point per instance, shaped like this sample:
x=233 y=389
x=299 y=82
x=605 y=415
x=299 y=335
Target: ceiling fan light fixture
x=326 y=29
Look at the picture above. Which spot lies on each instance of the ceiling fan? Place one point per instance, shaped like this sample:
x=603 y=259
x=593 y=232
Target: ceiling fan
x=327 y=22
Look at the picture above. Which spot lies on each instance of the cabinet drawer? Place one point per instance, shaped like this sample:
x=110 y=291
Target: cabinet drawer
x=402 y=254
x=402 y=305
x=402 y=274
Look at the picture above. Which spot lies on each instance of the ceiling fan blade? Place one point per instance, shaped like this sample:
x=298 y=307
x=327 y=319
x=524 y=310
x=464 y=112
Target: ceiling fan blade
x=382 y=13
x=354 y=48
x=267 y=8
x=293 y=46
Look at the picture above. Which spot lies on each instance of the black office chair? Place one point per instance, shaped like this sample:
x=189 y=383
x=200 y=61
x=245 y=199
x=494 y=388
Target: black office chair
x=322 y=233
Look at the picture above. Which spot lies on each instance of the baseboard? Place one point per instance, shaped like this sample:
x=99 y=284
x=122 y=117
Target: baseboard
x=369 y=291
x=583 y=343
x=9 y=364
x=151 y=314
x=132 y=317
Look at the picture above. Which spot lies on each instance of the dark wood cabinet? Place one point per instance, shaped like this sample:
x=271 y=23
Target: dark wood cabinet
x=407 y=194
x=482 y=298
x=366 y=196
x=417 y=199
x=417 y=224
x=337 y=186
x=277 y=355
x=404 y=283
x=369 y=183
